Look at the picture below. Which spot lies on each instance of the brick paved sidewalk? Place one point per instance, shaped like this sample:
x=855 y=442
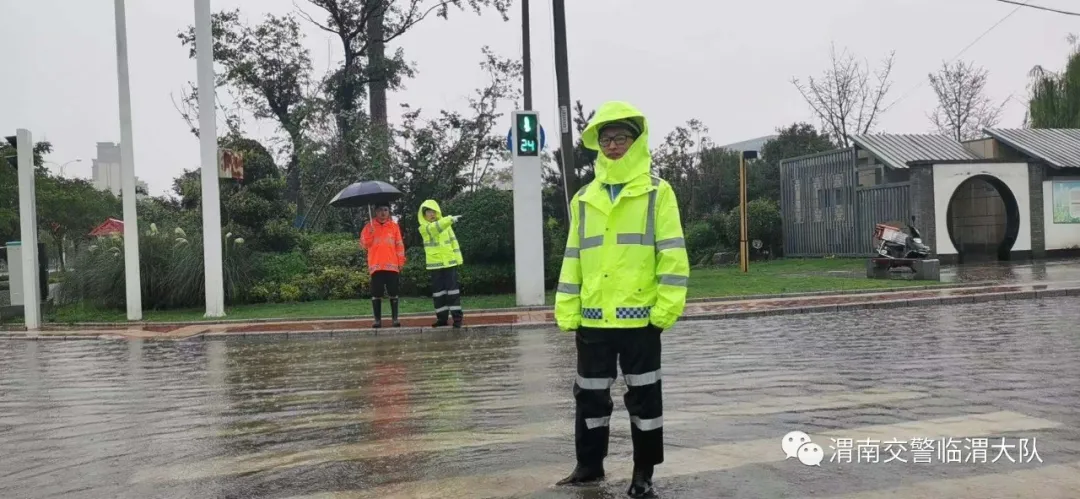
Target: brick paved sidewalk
x=538 y=317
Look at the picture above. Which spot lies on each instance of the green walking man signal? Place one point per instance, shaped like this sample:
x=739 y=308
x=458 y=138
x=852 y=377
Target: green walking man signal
x=528 y=135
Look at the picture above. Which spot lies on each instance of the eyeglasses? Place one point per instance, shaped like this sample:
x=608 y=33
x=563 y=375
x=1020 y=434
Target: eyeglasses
x=619 y=140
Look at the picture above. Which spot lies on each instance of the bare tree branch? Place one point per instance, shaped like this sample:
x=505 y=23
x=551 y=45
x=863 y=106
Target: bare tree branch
x=963 y=108
x=843 y=97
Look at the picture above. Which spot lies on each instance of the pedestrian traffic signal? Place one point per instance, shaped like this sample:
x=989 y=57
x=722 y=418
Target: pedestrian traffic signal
x=528 y=135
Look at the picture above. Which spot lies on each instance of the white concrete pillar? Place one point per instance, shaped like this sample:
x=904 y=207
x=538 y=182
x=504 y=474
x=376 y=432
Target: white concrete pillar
x=132 y=278
x=211 y=195
x=31 y=277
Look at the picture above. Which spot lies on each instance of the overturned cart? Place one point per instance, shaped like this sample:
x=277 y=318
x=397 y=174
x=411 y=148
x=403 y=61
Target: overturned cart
x=901 y=252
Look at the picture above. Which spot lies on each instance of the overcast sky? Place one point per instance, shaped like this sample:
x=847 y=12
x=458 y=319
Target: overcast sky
x=724 y=62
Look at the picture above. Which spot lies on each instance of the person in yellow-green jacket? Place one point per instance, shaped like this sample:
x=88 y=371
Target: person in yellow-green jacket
x=443 y=257
x=623 y=282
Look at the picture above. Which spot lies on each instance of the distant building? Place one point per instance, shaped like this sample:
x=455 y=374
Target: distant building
x=755 y=145
x=1011 y=195
x=106 y=171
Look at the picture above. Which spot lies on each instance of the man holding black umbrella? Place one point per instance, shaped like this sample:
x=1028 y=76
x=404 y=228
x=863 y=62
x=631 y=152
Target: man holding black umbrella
x=381 y=238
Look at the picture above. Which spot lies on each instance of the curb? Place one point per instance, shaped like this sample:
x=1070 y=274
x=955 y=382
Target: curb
x=546 y=308
x=497 y=328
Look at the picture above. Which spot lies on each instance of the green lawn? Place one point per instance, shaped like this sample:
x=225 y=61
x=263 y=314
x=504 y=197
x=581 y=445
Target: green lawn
x=780 y=276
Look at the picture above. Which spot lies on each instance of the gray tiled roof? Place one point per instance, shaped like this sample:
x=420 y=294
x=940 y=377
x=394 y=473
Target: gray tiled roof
x=897 y=150
x=756 y=144
x=1060 y=147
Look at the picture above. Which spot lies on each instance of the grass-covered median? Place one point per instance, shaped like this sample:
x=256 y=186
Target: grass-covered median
x=775 y=277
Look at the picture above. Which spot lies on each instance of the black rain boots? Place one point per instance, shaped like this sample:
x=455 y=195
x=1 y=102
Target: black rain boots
x=641 y=483
x=584 y=474
x=376 y=307
x=641 y=486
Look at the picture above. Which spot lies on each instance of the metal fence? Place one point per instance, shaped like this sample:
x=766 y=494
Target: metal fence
x=825 y=212
x=881 y=203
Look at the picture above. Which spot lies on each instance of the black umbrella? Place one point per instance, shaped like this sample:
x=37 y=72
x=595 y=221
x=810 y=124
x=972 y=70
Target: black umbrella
x=365 y=193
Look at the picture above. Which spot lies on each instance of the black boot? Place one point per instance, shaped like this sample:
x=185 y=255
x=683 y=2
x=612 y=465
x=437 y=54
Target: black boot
x=394 y=312
x=641 y=482
x=376 y=306
x=583 y=474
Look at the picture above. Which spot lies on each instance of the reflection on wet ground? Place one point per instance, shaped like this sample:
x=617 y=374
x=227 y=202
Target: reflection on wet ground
x=1013 y=272
x=489 y=415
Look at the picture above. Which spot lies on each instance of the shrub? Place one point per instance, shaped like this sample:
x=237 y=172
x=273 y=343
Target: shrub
x=702 y=240
x=487 y=279
x=289 y=293
x=279 y=235
x=280 y=267
x=554 y=248
x=171 y=271
x=414 y=277
x=763 y=219
x=486 y=229
x=336 y=250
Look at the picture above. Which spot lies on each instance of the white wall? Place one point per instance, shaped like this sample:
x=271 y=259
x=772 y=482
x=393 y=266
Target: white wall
x=1058 y=236
x=948 y=177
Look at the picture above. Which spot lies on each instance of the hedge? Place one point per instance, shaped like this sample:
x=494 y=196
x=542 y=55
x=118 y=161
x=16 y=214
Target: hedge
x=333 y=266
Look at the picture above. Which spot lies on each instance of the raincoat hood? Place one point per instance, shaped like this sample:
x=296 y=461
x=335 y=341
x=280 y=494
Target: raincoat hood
x=636 y=162
x=432 y=204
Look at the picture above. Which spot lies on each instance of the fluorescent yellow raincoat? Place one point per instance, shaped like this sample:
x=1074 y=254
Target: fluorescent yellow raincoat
x=625 y=264
x=440 y=244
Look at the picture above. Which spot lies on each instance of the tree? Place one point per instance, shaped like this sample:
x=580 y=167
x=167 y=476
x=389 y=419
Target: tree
x=363 y=28
x=797 y=139
x=963 y=108
x=695 y=168
x=1055 y=97
x=581 y=172
x=270 y=70
x=9 y=186
x=844 y=98
x=254 y=208
x=68 y=209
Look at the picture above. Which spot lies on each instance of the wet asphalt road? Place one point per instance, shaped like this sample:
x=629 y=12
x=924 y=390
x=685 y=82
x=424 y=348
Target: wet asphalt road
x=489 y=415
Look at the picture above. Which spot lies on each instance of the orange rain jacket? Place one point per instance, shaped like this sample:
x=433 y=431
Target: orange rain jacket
x=385 y=249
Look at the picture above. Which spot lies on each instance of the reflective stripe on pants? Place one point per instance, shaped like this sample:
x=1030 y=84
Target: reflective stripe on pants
x=445 y=294
x=601 y=353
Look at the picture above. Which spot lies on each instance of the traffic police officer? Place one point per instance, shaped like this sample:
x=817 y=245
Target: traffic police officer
x=623 y=282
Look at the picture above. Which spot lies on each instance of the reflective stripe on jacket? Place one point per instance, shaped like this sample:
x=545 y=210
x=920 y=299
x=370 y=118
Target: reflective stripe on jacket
x=625 y=264
x=441 y=248
x=385 y=249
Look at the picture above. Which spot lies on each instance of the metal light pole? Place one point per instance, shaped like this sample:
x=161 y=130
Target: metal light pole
x=526 y=54
x=562 y=77
x=744 y=247
x=211 y=195
x=63 y=166
x=132 y=278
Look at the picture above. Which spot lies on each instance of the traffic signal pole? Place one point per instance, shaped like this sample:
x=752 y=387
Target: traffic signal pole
x=526 y=55
x=528 y=209
x=744 y=246
x=562 y=82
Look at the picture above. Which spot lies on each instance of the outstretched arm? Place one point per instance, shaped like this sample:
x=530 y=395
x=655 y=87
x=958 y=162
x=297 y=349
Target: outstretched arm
x=672 y=263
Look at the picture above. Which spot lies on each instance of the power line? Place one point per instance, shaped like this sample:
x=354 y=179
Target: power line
x=965 y=49
x=1048 y=9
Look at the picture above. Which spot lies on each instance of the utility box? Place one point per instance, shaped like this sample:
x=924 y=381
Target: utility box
x=15 y=273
